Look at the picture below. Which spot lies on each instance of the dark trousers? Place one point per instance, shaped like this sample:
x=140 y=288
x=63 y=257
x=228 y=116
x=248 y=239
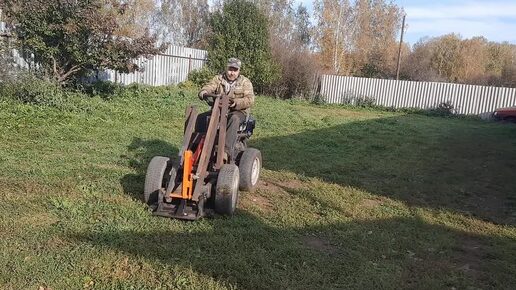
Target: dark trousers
x=235 y=118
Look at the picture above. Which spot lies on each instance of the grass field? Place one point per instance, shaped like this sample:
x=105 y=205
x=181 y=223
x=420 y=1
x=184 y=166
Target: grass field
x=349 y=198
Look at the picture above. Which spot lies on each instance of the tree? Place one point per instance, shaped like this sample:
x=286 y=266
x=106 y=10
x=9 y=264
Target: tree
x=135 y=17
x=418 y=65
x=280 y=16
x=334 y=34
x=375 y=43
x=184 y=22
x=446 y=57
x=236 y=34
x=358 y=37
x=302 y=27
x=508 y=77
x=475 y=54
x=501 y=56
x=296 y=62
x=449 y=58
x=68 y=38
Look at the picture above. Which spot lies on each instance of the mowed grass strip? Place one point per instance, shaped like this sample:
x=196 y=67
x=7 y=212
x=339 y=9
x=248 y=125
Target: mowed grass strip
x=349 y=198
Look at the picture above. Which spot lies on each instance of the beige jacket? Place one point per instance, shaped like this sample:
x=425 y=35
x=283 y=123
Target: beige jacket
x=241 y=91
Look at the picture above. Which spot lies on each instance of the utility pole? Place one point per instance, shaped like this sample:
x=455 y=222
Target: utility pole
x=399 y=50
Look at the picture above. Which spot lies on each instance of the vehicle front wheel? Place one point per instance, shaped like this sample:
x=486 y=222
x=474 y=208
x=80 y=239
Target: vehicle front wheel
x=154 y=179
x=226 y=190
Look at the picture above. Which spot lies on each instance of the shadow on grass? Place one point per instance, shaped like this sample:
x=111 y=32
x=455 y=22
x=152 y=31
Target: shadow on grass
x=139 y=154
x=396 y=253
x=462 y=165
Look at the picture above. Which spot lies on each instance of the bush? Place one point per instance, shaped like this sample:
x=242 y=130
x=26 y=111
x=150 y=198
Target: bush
x=29 y=89
x=200 y=77
x=298 y=71
x=444 y=109
x=354 y=99
x=104 y=89
x=318 y=99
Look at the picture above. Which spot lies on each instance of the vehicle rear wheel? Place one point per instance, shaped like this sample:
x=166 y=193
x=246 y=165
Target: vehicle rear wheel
x=250 y=166
x=154 y=179
x=226 y=190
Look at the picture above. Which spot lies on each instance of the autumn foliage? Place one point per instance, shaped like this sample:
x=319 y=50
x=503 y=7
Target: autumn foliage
x=450 y=58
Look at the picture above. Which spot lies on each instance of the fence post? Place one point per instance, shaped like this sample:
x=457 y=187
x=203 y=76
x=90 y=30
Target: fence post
x=316 y=87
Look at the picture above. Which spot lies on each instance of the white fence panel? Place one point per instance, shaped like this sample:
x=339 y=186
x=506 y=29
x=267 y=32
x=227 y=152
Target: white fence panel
x=466 y=99
x=168 y=68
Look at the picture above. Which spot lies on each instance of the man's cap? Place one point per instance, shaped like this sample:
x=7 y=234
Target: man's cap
x=234 y=62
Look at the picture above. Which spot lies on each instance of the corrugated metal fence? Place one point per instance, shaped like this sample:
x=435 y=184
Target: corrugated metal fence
x=466 y=99
x=168 y=68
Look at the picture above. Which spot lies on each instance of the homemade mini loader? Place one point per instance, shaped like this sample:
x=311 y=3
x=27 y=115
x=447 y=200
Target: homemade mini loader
x=204 y=177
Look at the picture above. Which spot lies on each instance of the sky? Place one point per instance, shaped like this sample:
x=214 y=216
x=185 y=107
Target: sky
x=495 y=20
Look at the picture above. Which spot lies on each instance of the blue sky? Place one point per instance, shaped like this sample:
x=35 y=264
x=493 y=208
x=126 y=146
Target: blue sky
x=495 y=20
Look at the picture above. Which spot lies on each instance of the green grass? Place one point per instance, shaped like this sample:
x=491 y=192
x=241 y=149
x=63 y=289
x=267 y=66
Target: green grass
x=349 y=198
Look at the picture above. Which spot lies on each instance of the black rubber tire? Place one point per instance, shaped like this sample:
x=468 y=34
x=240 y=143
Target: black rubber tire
x=247 y=167
x=226 y=190
x=154 y=179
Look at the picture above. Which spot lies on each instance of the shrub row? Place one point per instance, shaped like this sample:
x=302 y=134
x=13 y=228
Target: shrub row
x=30 y=89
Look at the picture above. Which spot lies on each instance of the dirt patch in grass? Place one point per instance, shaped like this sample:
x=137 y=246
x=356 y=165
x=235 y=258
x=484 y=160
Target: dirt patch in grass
x=255 y=199
x=56 y=242
x=411 y=276
x=293 y=184
x=31 y=188
x=469 y=257
x=261 y=202
x=370 y=203
x=269 y=186
x=17 y=188
x=495 y=207
x=319 y=244
x=281 y=186
x=37 y=220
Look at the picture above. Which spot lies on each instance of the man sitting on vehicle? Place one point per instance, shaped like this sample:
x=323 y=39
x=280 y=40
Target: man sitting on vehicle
x=241 y=97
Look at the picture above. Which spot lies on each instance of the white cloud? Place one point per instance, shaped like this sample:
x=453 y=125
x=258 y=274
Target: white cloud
x=494 y=31
x=494 y=20
x=470 y=10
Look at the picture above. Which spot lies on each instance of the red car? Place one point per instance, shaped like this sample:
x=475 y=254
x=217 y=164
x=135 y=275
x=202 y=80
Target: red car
x=505 y=114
